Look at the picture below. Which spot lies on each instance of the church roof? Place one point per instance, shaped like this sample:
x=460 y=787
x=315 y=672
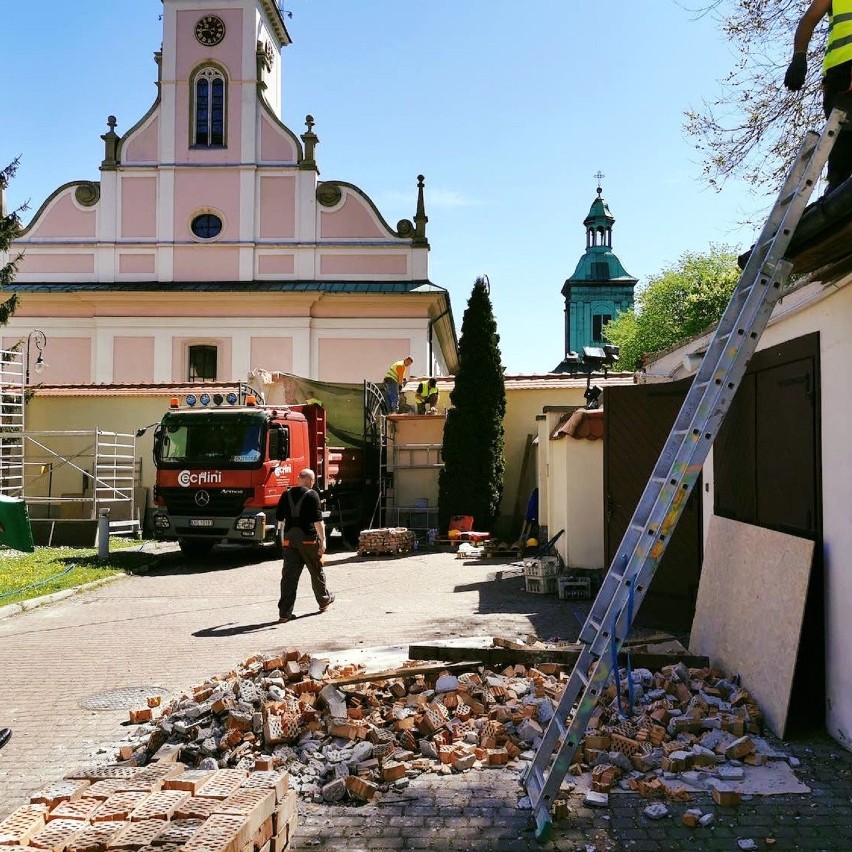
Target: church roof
x=599 y=215
x=600 y=265
x=227 y=287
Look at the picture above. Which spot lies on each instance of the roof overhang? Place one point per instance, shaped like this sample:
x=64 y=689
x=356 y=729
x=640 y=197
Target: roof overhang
x=276 y=19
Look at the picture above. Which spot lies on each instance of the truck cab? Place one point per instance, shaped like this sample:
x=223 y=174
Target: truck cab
x=221 y=471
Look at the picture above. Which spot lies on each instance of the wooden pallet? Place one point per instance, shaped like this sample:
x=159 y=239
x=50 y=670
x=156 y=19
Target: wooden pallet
x=397 y=552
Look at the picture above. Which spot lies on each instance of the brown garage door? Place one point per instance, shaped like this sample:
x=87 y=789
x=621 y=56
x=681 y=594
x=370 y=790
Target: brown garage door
x=766 y=462
x=637 y=421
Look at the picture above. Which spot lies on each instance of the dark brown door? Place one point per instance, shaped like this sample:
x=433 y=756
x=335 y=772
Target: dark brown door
x=637 y=421
x=767 y=462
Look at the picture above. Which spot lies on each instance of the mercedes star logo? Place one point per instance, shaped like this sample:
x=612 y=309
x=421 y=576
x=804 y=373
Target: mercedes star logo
x=202 y=498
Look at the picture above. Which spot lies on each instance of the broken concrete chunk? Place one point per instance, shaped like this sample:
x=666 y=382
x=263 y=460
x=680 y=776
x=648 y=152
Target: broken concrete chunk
x=656 y=811
x=597 y=800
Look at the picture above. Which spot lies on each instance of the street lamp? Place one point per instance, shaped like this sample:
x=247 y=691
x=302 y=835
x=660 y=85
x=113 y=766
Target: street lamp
x=39 y=338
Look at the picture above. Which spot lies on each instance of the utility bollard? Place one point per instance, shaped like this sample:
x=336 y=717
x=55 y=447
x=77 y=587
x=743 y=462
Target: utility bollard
x=103 y=533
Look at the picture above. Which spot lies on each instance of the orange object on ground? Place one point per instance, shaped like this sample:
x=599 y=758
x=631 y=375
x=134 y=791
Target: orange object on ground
x=462 y=523
x=475 y=536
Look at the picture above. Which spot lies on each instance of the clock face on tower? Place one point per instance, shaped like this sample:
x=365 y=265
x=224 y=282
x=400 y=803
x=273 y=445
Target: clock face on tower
x=210 y=30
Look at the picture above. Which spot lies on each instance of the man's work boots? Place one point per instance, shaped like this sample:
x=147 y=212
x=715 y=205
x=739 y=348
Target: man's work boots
x=5 y=736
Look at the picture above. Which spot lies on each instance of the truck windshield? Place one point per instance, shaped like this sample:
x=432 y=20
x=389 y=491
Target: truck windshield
x=209 y=438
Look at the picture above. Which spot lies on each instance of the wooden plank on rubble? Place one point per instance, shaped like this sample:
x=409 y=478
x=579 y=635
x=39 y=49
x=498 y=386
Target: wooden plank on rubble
x=565 y=656
x=407 y=671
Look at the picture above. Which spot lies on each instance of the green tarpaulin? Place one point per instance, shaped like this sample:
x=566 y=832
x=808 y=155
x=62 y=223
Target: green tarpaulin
x=15 y=529
x=344 y=405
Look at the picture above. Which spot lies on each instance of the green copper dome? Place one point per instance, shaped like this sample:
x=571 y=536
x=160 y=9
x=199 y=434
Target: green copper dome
x=599 y=264
x=599 y=215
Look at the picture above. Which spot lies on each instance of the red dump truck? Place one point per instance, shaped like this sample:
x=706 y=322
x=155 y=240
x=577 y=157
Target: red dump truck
x=224 y=460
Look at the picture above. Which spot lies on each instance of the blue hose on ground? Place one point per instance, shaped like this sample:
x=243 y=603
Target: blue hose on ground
x=50 y=579
x=37 y=585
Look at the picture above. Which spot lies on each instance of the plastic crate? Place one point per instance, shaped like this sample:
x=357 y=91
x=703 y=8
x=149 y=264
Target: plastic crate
x=542 y=566
x=574 y=588
x=541 y=585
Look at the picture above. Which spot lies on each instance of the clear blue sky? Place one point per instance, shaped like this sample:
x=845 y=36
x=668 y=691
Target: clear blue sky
x=507 y=108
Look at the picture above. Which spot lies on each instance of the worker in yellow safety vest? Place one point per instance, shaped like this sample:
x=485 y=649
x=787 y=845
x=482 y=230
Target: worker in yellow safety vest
x=836 y=75
x=426 y=394
x=394 y=380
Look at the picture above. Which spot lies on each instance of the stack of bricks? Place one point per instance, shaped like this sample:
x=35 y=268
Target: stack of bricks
x=160 y=807
x=387 y=540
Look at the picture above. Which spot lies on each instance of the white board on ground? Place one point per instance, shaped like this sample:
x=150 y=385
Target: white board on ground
x=748 y=615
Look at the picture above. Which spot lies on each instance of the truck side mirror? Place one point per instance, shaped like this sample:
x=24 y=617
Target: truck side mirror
x=279 y=443
x=158 y=440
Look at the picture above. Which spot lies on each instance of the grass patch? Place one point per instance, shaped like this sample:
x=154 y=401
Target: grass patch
x=51 y=569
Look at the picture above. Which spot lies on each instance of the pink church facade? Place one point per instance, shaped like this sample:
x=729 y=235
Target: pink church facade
x=211 y=247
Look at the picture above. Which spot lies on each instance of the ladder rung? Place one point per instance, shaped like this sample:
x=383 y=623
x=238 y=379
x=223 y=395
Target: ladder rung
x=583 y=676
x=560 y=725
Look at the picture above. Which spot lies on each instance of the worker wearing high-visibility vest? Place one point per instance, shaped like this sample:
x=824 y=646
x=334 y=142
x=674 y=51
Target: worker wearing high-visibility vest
x=394 y=380
x=836 y=75
x=426 y=394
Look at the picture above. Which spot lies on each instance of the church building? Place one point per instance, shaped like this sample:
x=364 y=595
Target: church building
x=600 y=287
x=210 y=246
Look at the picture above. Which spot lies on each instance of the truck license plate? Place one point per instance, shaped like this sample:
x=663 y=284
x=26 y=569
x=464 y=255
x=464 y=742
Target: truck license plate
x=201 y=522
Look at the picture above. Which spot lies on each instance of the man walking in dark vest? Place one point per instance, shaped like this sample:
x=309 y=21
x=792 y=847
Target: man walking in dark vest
x=304 y=544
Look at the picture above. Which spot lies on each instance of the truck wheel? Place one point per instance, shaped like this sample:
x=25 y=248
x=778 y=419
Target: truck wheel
x=195 y=548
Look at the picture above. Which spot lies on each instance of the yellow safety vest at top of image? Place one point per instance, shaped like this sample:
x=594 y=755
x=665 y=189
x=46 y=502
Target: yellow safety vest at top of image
x=838 y=48
x=394 y=371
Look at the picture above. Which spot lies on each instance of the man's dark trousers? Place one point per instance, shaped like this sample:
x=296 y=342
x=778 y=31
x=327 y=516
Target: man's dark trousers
x=297 y=556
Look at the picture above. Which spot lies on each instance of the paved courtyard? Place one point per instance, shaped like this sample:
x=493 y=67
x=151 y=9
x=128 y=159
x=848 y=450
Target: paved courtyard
x=177 y=624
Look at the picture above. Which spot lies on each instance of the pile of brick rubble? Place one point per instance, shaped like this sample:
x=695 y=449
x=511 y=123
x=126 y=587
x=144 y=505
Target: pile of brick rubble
x=348 y=741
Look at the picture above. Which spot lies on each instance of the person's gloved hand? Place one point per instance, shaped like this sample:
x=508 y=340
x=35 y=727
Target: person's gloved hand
x=794 y=79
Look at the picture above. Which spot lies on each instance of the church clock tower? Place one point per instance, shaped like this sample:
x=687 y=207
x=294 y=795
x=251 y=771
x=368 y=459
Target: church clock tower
x=600 y=287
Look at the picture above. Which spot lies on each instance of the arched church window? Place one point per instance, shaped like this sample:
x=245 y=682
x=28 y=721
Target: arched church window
x=598 y=323
x=210 y=92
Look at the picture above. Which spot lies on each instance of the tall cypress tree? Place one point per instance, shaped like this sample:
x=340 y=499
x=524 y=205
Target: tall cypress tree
x=471 y=482
x=10 y=227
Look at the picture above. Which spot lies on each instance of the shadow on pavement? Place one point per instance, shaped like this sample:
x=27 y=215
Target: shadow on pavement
x=505 y=592
x=231 y=629
x=219 y=560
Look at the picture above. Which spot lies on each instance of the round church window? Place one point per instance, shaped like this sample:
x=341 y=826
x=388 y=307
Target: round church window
x=206 y=226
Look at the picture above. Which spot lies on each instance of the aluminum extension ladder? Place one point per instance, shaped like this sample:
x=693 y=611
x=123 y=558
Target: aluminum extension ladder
x=675 y=474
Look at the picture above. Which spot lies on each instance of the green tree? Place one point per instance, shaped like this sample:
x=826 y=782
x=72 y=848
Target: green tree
x=679 y=302
x=10 y=227
x=754 y=126
x=471 y=481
